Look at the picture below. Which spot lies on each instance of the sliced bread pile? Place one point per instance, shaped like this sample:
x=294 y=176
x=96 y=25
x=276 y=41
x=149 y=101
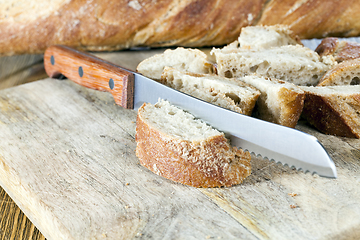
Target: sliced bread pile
x=332 y=110
x=266 y=73
x=333 y=106
x=271 y=51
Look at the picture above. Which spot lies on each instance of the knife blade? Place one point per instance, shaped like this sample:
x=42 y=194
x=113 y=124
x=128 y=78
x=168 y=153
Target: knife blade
x=130 y=90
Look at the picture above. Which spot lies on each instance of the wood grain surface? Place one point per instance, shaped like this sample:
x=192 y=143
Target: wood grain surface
x=67 y=159
x=13 y=222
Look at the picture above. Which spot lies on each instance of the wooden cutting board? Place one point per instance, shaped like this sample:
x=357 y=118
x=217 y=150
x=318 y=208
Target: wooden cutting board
x=67 y=158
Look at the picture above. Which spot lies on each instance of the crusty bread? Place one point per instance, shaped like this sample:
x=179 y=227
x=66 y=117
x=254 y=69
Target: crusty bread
x=291 y=63
x=280 y=102
x=224 y=92
x=333 y=110
x=175 y=145
x=257 y=37
x=98 y=25
x=340 y=50
x=345 y=73
x=314 y=18
x=184 y=59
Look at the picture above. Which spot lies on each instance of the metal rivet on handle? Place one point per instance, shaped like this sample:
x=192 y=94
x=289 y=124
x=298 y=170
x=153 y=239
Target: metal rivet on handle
x=81 y=71
x=52 y=60
x=111 y=84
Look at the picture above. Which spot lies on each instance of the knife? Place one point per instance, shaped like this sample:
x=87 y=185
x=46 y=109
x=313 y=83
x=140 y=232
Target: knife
x=130 y=90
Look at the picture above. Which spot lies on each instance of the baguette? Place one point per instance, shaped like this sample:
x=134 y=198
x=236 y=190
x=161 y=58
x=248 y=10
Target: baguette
x=175 y=145
x=333 y=110
x=107 y=25
x=224 y=92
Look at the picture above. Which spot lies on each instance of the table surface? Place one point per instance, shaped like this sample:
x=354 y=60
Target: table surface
x=275 y=202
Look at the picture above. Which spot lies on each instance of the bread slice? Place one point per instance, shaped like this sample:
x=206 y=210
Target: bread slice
x=291 y=63
x=224 y=92
x=184 y=59
x=333 y=110
x=344 y=73
x=258 y=37
x=280 y=102
x=340 y=50
x=175 y=145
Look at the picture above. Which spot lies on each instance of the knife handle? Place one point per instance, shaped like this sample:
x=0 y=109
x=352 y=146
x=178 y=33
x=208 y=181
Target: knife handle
x=91 y=72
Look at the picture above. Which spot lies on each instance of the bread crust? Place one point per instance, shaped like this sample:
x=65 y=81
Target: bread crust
x=340 y=50
x=327 y=46
x=105 y=25
x=314 y=18
x=209 y=163
x=291 y=103
x=322 y=113
x=344 y=73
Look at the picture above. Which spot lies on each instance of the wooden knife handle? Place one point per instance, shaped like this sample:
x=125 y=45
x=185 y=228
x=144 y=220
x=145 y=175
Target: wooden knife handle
x=92 y=72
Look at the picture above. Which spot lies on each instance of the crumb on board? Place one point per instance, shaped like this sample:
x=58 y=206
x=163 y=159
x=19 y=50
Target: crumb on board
x=292 y=194
x=293 y=206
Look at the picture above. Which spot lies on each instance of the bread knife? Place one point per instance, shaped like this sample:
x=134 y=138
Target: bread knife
x=130 y=90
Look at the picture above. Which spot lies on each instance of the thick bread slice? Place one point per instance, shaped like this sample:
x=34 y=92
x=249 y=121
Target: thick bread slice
x=333 y=110
x=257 y=37
x=224 y=92
x=340 y=50
x=184 y=59
x=292 y=63
x=344 y=73
x=175 y=145
x=280 y=102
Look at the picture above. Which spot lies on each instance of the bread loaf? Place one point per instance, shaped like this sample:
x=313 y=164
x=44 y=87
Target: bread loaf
x=333 y=110
x=175 y=145
x=280 y=102
x=98 y=25
x=227 y=93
